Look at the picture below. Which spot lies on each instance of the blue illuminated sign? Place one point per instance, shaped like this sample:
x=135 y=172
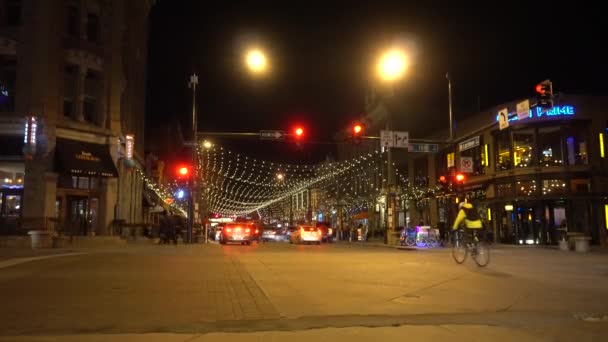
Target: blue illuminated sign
x=538 y=112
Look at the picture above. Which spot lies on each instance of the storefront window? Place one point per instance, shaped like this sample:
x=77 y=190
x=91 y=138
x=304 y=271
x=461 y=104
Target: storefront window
x=580 y=185
x=525 y=188
x=503 y=149
x=549 y=147
x=523 y=148
x=554 y=186
x=576 y=146
x=504 y=190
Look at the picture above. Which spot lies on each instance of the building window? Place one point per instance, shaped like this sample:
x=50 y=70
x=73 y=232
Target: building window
x=93 y=28
x=13 y=13
x=504 y=190
x=554 y=186
x=576 y=146
x=580 y=186
x=91 y=93
x=503 y=151
x=86 y=183
x=73 y=21
x=8 y=79
x=550 y=152
x=523 y=148
x=525 y=188
x=70 y=80
x=477 y=154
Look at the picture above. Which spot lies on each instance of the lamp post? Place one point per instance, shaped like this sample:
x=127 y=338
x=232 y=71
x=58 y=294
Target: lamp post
x=192 y=180
x=391 y=68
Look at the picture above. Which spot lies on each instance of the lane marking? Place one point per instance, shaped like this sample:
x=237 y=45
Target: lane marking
x=17 y=261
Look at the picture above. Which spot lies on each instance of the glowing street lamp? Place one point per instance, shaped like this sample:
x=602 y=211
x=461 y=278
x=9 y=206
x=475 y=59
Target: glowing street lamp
x=256 y=61
x=207 y=144
x=392 y=65
x=280 y=176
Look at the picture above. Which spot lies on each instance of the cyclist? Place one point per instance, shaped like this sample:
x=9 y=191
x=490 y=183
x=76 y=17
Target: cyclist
x=468 y=213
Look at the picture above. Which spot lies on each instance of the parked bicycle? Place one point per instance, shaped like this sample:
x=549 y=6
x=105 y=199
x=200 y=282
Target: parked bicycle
x=465 y=244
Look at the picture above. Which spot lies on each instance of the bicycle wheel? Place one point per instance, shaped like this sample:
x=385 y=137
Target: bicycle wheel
x=410 y=241
x=459 y=251
x=482 y=255
x=431 y=242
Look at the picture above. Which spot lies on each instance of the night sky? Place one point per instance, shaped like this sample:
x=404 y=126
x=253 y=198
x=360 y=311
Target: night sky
x=322 y=58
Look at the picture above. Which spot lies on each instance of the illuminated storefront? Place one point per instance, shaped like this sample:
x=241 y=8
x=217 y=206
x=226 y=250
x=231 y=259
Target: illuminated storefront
x=540 y=179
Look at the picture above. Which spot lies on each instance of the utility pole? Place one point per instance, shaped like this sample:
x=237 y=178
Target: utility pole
x=191 y=194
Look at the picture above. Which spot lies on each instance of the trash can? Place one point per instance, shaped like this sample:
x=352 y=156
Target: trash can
x=581 y=244
x=41 y=239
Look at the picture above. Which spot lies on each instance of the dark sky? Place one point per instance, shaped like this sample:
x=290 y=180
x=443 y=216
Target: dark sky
x=322 y=59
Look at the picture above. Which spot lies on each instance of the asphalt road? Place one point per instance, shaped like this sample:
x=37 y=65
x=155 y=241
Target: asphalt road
x=278 y=288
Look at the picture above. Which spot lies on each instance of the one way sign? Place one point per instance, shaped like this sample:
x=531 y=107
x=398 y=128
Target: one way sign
x=274 y=135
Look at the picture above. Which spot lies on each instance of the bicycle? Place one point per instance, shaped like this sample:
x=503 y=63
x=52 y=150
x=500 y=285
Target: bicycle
x=479 y=250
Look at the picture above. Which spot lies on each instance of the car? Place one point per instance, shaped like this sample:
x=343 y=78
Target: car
x=306 y=234
x=327 y=233
x=239 y=232
x=274 y=234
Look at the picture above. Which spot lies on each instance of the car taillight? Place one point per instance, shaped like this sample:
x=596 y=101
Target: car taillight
x=301 y=231
x=319 y=231
x=257 y=231
x=228 y=230
x=247 y=230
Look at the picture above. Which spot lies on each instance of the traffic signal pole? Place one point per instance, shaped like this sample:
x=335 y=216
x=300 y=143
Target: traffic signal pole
x=192 y=179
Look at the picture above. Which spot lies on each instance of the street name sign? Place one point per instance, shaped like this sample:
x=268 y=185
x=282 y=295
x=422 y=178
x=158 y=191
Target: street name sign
x=416 y=147
x=272 y=135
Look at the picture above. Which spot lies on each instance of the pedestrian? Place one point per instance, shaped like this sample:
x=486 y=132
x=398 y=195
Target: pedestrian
x=163 y=228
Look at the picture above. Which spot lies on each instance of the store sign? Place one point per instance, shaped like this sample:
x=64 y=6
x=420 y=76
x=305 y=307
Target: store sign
x=468 y=144
x=537 y=112
x=130 y=140
x=88 y=156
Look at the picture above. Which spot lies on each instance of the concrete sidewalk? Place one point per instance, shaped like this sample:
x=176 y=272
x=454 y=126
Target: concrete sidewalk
x=453 y=333
x=7 y=253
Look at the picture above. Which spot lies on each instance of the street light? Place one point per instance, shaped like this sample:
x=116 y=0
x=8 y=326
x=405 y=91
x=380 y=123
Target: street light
x=391 y=68
x=207 y=144
x=280 y=176
x=256 y=61
x=392 y=65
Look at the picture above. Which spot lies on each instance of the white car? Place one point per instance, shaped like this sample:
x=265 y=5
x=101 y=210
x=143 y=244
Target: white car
x=306 y=234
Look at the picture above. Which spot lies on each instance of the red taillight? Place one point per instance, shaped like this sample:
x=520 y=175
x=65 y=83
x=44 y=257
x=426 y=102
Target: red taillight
x=319 y=231
x=257 y=231
x=301 y=231
x=228 y=230
x=247 y=230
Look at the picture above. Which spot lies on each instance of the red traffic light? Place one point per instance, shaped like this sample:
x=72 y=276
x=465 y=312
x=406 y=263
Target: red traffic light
x=460 y=177
x=299 y=131
x=183 y=171
x=357 y=129
x=442 y=179
x=540 y=89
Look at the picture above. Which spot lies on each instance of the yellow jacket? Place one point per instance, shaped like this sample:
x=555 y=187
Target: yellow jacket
x=470 y=217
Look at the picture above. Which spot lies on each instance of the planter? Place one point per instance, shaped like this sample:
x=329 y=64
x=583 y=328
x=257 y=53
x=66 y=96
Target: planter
x=41 y=239
x=581 y=244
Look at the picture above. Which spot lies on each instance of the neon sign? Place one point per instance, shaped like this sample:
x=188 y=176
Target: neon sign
x=538 y=112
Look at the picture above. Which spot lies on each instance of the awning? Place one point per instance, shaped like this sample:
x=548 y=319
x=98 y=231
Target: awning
x=84 y=159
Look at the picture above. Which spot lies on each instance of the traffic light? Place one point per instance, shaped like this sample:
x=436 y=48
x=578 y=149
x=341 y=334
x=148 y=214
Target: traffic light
x=183 y=171
x=298 y=132
x=357 y=132
x=443 y=182
x=460 y=178
x=544 y=94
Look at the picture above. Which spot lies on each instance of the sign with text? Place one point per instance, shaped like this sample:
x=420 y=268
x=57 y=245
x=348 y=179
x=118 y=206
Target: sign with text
x=274 y=135
x=468 y=144
x=415 y=147
x=523 y=110
x=386 y=138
